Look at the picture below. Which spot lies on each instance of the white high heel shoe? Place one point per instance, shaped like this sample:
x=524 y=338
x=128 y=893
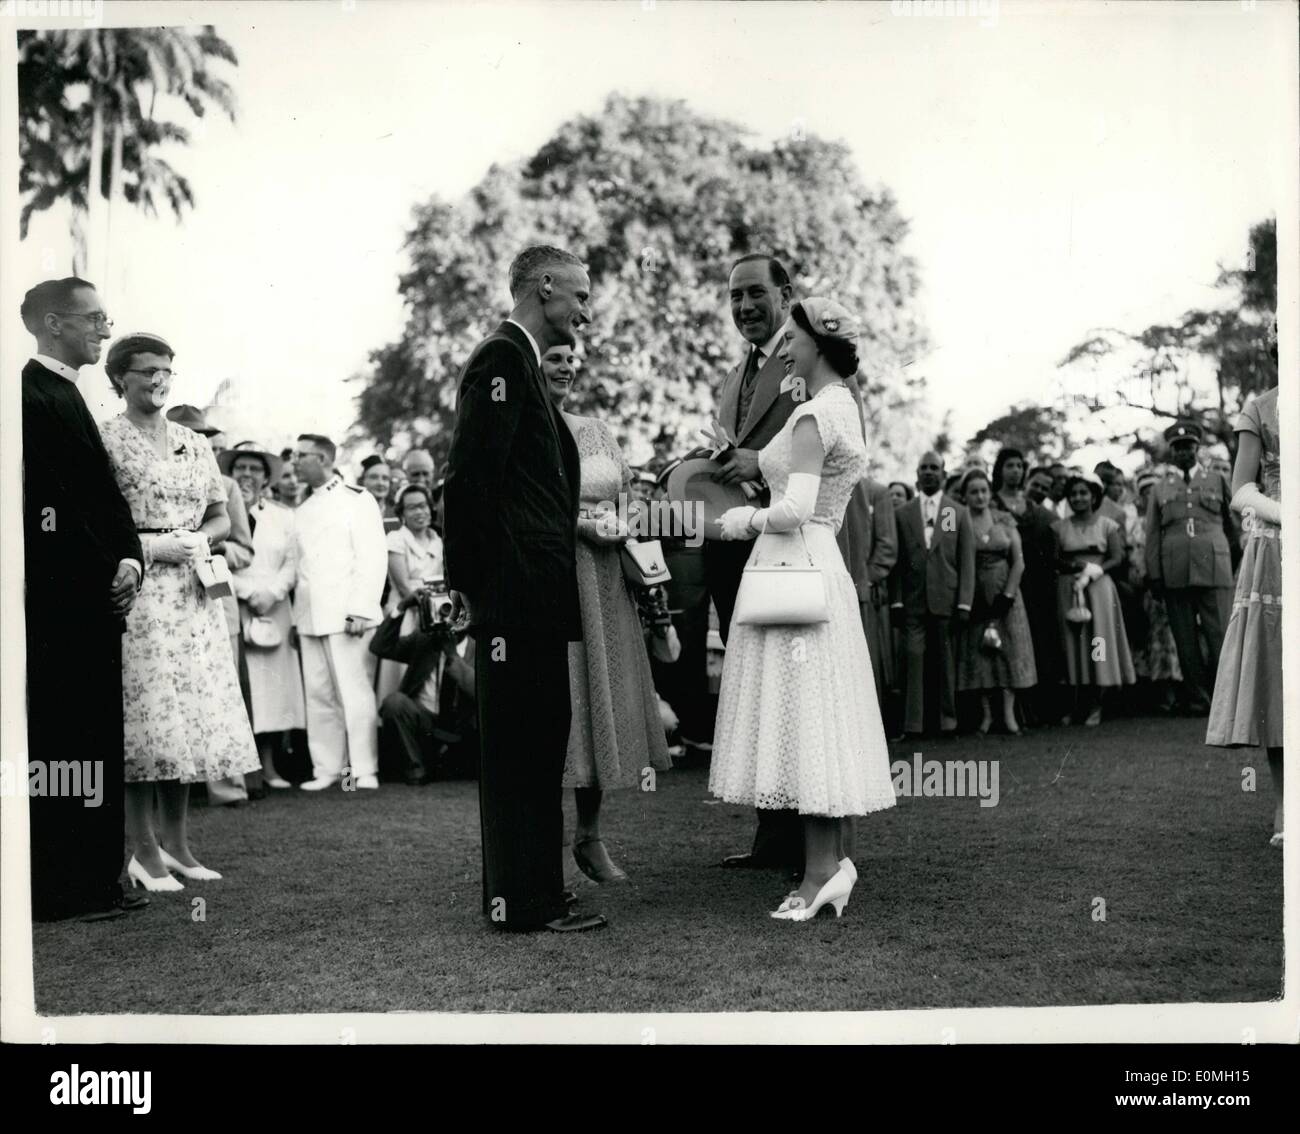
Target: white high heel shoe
x=835 y=893
x=197 y=873
x=845 y=864
x=140 y=876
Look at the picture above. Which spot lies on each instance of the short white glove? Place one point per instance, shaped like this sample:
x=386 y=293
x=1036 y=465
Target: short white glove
x=195 y=544
x=735 y=522
x=1253 y=504
x=794 y=508
x=165 y=549
x=1091 y=572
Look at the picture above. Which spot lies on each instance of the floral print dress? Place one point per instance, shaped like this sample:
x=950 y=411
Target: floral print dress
x=183 y=715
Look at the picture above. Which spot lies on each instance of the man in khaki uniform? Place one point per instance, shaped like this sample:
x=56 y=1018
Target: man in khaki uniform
x=1191 y=552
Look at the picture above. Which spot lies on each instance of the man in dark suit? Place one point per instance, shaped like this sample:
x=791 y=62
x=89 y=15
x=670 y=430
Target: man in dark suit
x=84 y=566
x=1037 y=527
x=932 y=584
x=752 y=408
x=428 y=720
x=1191 y=551
x=511 y=511
x=870 y=548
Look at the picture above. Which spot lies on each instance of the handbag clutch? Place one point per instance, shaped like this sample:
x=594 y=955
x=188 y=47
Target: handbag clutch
x=643 y=563
x=262 y=631
x=781 y=593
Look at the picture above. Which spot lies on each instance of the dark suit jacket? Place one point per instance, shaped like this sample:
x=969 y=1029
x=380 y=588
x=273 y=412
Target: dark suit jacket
x=419 y=652
x=511 y=495
x=77 y=526
x=768 y=410
x=937 y=581
x=869 y=537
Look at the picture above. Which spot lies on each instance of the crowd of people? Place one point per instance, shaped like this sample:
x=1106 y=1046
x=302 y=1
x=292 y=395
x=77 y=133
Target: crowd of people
x=242 y=610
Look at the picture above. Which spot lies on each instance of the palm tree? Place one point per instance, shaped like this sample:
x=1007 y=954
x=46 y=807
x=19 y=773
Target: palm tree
x=124 y=70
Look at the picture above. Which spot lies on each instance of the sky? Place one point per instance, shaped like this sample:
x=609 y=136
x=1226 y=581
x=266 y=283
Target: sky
x=1062 y=167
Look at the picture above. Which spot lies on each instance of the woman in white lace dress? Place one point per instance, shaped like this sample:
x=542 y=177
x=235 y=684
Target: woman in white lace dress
x=798 y=722
x=617 y=735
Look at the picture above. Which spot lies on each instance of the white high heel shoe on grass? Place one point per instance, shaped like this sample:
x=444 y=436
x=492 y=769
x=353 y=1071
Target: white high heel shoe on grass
x=197 y=873
x=835 y=893
x=140 y=876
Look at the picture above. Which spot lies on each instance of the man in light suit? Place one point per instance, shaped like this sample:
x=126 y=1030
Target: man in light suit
x=342 y=563
x=1191 y=552
x=932 y=584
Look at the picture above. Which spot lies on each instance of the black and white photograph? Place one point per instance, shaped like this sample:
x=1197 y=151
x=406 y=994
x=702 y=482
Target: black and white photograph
x=646 y=522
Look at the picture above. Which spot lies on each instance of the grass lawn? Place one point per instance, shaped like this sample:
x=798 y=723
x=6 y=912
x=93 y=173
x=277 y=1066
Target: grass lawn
x=367 y=902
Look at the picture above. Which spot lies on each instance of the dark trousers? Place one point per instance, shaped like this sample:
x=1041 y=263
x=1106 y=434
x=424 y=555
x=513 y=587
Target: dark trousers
x=522 y=690
x=684 y=684
x=407 y=740
x=1211 y=606
x=779 y=837
x=74 y=713
x=929 y=637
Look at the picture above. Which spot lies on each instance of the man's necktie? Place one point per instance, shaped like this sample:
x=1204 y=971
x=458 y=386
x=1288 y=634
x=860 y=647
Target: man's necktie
x=748 y=378
x=252 y=520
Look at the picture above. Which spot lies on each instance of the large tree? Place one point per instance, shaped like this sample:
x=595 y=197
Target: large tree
x=88 y=103
x=658 y=200
x=1130 y=385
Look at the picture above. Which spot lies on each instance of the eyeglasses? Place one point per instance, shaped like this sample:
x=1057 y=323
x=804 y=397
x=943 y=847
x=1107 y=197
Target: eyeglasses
x=154 y=371
x=97 y=317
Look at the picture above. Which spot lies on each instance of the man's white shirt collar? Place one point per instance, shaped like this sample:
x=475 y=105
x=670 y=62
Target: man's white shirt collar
x=62 y=369
x=769 y=348
x=537 y=351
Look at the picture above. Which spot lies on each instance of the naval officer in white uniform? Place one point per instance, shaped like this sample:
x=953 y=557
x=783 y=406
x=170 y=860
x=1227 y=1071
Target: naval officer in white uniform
x=342 y=563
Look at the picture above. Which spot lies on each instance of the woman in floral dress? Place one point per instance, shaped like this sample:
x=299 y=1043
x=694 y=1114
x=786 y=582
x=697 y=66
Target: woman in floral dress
x=999 y=565
x=184 y=718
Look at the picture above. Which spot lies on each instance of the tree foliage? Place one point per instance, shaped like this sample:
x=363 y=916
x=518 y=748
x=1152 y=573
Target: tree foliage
x=1204 y=365
x=1036 y=430
x=658 y=201
x=80 y=91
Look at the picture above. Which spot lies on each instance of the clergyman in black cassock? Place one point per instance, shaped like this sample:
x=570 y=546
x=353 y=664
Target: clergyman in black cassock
x=77 y=530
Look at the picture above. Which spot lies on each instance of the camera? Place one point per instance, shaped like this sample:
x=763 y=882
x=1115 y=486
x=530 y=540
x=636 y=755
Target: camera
x=433 y=604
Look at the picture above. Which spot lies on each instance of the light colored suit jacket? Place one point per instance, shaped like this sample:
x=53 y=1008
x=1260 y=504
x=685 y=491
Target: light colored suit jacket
x=342 y=558
x=768 y=410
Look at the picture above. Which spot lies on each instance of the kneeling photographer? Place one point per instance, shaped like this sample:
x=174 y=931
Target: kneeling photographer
x=429 y=724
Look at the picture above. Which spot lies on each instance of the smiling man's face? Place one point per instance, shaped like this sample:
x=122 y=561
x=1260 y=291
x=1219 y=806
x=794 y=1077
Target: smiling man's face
x=758 y=306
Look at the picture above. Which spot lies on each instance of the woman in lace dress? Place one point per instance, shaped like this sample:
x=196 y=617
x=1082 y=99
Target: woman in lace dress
x=798 y=722
x=616 y=734
x=1247 y=705
x=184 y=717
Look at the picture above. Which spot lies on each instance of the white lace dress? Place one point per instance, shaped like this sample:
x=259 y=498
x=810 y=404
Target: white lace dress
x=798 y=722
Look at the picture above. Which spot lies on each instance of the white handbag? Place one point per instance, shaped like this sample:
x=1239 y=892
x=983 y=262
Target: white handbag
x=781 y=593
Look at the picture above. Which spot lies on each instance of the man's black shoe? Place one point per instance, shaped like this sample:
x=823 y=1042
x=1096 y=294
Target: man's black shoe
x=753 y=862
x=132 y=902
x=576 y=923
x=103 y=915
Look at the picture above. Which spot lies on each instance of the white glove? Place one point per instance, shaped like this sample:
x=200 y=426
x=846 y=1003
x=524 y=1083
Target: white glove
x=1251 y=503
x=195 y=544
x=165 y=549
x=735 y=522
x=1091 y=572
x=794 y=508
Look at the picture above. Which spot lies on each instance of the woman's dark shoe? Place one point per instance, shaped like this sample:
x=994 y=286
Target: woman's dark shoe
x=594 y=861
